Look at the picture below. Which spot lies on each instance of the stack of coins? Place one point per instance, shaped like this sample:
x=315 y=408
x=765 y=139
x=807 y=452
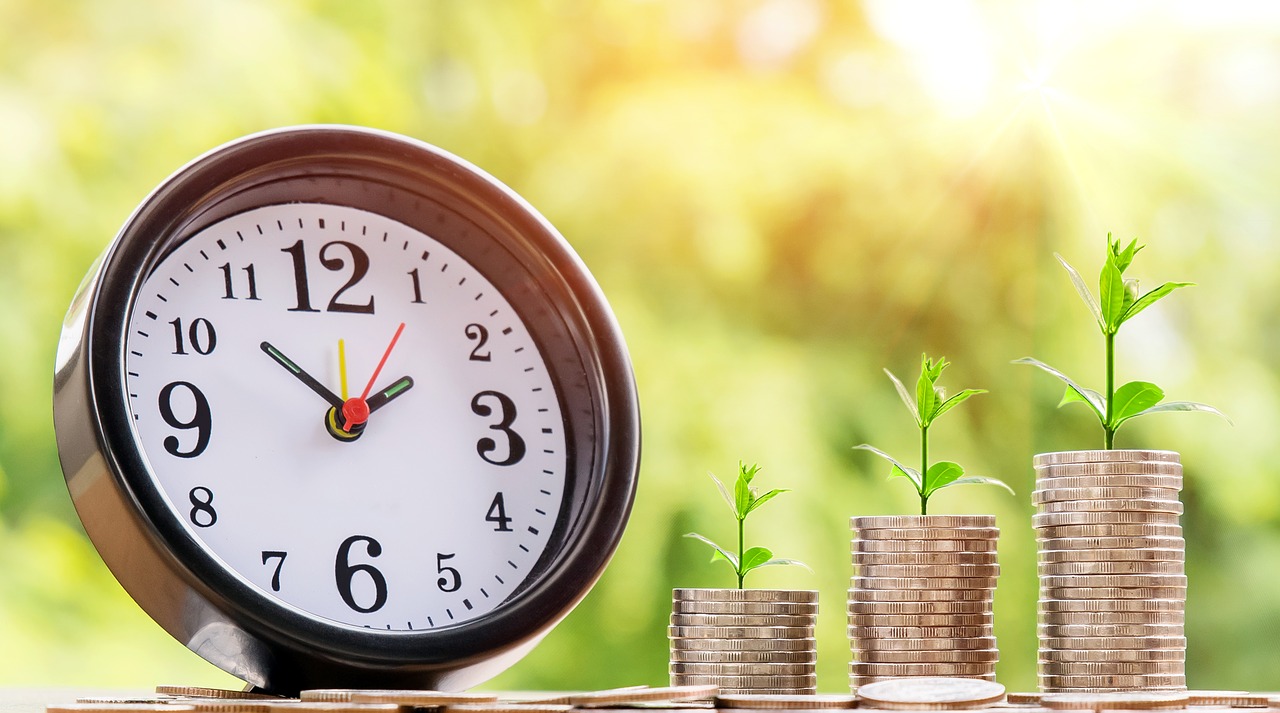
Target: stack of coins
x=1112 y=585
x=920 y=599
x=744 y=640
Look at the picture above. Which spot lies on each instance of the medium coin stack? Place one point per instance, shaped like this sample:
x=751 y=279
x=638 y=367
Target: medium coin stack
x=744 y=640
x=1112 y=584
x=920 y=599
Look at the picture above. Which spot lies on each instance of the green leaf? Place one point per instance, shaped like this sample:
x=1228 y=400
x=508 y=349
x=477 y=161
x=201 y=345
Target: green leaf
x=1071 y=396
x=1088 y=396
x=940 y=475
x=1172 y=406
x=720 y=552
x=982 y=480
x=926 y=392
x=755 y=557
x=905 y=396
x=1084 y=292
x=1133 y=398
x=742 y=495
x=780 y=560
x=725 y=492
x=1150 y=298
x=757 y=502
x=955 y=400
x=909 y=473
x=1111 y=296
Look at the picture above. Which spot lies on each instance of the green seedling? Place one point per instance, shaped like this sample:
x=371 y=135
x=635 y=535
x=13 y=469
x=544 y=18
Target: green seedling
x=928 y=403
x=743 y=501
x=1118 y=302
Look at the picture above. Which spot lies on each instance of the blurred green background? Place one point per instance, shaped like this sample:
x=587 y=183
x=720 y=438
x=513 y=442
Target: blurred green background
x=780 y=198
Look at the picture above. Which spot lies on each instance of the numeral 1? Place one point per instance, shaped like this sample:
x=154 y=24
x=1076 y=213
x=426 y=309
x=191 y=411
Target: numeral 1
x=417 y=287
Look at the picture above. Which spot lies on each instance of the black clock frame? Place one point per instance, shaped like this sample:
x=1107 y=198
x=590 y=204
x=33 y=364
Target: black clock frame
x=239 y=628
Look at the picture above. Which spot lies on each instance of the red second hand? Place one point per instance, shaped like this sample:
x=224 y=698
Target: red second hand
x=356 y=410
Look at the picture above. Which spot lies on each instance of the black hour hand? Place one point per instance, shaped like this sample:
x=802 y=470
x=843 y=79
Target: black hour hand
x=382 y=397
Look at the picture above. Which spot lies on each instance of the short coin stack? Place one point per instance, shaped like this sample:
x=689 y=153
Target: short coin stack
x=1112 y=584
x=920 y=599
x=744 y=640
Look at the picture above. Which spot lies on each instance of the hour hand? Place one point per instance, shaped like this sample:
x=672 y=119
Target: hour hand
x=397 y=387
x=301 y=375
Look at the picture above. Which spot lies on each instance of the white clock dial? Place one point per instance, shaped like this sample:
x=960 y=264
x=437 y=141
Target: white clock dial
x=241 y=345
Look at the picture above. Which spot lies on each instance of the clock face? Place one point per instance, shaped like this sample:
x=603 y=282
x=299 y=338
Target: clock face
x=347 y=415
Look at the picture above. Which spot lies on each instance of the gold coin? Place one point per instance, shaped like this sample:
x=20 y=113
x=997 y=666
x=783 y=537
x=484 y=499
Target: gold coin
x=1067 y=532
x=1156 y=617
x=1107 y=456
x=1138 y=700
x=901 y=522
x=1112 y=506
x=866 y=544
x=1140 y=567
x=202 y=692
x=770 y=620
x=1145 y=517
x=747 y=682
x=930 y=693
x=1174 y=604
x=740 y=669
x=1113 y=642
x=1141 y=551
x=411 y=698
x=786 y=702
x=620 y=697
x=1050 y=494
x=1104 y=668
x=920 y=595
x=1112 y=655
x=928 y=583
x=907 y=632
x=864 y=668
x=976 y=607
x=920 y=619
x=744 y=608
x=1045 y=478
x=794 y=657
x=806 y=596
x=1115 y=580
x=740 y=632
x=969 y=656
x=922 y=644
x=1112 y=681
x=1232 y=699
x=1061 y=630
x=923 y=558
x=928 y=570
x=705 y=644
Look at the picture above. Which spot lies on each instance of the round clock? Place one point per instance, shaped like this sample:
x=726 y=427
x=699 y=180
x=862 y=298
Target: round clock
x=338 y=409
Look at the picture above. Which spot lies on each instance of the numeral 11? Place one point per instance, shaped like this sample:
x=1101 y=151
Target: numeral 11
x=226 y=277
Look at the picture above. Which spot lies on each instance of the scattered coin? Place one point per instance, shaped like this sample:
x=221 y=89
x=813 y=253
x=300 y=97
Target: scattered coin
x=785 y=702
x=119 y=708
x=202 y=692
x=897 y=522
x=1023 y=699
x=229 y=705
x=617 y=697
x=410 y=698
x=297 y=706
x=1115 y=701
x=930 y=693
x=1232 y=699
x=507 y=708
x=1105 y=456
x=128 y=700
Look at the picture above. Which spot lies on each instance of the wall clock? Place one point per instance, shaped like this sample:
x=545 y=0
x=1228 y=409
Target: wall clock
x=339 y=409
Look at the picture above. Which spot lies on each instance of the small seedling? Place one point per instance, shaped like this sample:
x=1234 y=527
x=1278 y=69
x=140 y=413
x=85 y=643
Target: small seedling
x=926 y=405
x=742 y=502
x=1118 y=302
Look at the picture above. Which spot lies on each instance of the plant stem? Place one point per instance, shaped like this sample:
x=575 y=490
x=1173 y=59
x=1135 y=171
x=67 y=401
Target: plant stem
x=924 y=469
x=741 y=574
x=1111 y=389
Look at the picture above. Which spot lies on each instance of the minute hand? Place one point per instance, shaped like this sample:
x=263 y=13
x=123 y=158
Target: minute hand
x=301 y=375
x=380 y=399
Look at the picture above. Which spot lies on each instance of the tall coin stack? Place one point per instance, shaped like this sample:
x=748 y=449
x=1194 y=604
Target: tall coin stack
x=1112 y=585
x=920 y=599
x=745 y=640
